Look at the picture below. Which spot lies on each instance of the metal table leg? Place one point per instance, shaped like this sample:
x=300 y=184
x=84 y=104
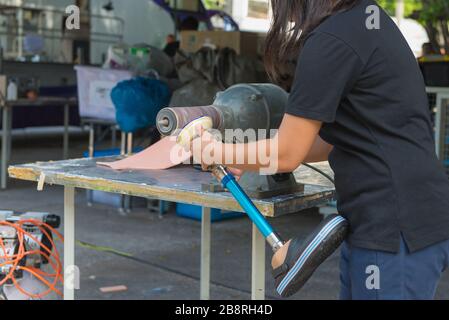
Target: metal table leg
x=65 y=153
x=6 y=136
x=91 y=140
x=70 y=276
x=205 y=254
x=126 y=200
x=123 y=143
x=91 y=155
x=114 y=136
x=129 y=144
x=258 y=266
x=11 y=114
x=162 y=205
x=123 y=152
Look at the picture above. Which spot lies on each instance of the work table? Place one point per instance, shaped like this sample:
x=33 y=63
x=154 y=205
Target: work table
x=182 y=184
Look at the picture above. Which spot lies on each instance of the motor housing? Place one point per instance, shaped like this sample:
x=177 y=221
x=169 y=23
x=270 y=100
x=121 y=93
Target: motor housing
x=241 y=107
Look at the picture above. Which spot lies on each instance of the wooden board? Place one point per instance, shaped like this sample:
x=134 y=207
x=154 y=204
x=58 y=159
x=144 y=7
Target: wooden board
x=181 y=184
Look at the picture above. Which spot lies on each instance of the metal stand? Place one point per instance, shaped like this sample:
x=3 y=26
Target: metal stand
x=6 y=144
x=205 y=253
x=69 y=243
x=65 y=152
x=258 y=265
x=126 y=149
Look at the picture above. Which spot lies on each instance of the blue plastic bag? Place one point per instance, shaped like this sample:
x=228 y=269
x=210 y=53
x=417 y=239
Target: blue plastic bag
x=138 y=101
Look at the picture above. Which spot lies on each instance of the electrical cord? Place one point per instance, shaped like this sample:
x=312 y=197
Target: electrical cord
x=324 y=174
x=14 y=261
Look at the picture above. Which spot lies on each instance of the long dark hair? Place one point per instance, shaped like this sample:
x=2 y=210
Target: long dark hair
x=293 y=21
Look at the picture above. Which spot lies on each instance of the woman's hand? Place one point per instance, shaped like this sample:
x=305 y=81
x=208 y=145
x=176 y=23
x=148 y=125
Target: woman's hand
x=205 y=149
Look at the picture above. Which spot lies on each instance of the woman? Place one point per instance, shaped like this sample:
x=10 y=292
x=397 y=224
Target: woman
x=358 y=100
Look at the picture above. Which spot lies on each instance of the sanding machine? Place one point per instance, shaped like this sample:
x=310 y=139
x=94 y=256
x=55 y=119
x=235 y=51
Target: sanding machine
x=259 y=106
x=240 y=108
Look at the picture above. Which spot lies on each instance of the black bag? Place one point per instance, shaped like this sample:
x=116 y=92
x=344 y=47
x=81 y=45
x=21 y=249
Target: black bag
x=209 y=71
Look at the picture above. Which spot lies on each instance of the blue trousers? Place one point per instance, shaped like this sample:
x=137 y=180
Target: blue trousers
x=376 y=275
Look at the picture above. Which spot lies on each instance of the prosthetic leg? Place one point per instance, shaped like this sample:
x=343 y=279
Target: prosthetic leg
x=294 y=261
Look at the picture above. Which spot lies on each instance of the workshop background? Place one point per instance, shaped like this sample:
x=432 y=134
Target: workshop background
x=92 y=88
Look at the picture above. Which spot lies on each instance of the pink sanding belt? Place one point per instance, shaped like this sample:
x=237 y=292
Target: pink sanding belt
x=163 y=155
x=186 y=115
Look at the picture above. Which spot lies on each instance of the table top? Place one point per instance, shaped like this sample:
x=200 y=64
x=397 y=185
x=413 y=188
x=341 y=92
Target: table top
x=181 y=184
x=42 y=101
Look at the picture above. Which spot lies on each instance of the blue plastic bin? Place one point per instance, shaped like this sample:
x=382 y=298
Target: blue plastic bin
x=109 y=152
x=194 y=212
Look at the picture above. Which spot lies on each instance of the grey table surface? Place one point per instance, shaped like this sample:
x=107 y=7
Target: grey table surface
x=181 y=184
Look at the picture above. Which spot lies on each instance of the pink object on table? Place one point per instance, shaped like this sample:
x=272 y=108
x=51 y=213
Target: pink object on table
x=163 y=155
x=113 y=289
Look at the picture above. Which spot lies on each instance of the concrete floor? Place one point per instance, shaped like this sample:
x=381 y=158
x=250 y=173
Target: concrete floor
x=165 y=253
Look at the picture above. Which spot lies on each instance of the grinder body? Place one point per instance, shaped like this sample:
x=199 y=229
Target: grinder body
x=241 y=107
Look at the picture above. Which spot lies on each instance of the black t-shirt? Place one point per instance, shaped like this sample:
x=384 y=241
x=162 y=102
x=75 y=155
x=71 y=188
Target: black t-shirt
x=366 y=87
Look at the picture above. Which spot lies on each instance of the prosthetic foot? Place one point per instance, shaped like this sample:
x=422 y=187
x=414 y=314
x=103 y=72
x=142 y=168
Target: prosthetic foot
x=298 y=259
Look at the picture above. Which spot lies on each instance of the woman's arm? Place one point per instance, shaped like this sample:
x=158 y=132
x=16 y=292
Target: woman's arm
x=283 y=153
x=319 y=152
